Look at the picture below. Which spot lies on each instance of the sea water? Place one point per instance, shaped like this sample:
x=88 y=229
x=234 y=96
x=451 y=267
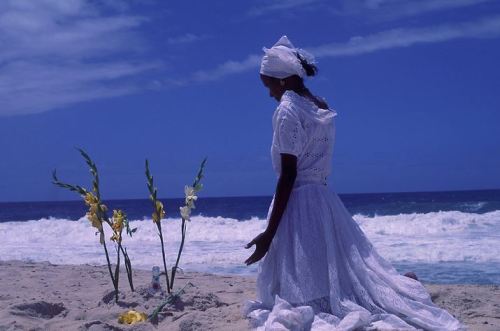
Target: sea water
x=444 y=237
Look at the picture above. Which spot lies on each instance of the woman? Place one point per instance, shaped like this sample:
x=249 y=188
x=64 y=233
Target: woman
x=320 y=271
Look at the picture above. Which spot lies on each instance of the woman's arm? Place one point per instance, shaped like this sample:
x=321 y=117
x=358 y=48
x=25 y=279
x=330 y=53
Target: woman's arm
x=283 y=190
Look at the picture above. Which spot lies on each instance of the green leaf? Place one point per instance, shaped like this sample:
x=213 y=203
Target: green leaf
x=54 y=175
x=199 y=176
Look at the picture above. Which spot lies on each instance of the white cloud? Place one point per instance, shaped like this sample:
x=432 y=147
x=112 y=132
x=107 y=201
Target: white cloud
x=403 y=37
x=187 y=38
x=423 y=5
x=227 y=68
x=279 y=5
x=372 y=9
x=395 y=38
x=28 y=87
x=401 y=8
x=62 y=51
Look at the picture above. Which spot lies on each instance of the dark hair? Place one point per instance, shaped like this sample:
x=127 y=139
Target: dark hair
x=311 y=69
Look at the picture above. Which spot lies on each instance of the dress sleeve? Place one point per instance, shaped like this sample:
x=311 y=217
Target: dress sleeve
x=289 y=133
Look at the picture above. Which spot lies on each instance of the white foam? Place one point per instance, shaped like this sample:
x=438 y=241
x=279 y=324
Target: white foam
x=216 y=243
x=450 y=236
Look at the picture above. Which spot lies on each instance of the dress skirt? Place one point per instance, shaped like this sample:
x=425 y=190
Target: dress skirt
x=322 y=273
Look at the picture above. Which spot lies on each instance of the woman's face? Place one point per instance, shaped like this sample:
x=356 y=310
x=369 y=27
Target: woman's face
x=274 y=87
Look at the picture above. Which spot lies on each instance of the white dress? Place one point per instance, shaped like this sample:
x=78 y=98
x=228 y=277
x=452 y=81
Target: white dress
x=321 y=272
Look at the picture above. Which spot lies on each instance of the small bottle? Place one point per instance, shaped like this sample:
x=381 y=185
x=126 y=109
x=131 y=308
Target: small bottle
x=155 y=287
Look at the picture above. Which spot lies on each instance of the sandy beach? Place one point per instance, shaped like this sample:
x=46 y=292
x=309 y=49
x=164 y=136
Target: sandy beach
x=44 y=296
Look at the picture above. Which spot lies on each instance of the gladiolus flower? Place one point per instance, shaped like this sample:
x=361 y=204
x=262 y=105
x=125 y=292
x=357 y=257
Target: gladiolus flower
x=94 y=220
x=90 y=199
x=118 y=220
x=185 y=213
x=190 y=191
x=132 y=317
x=159 y=205
x=159 y=213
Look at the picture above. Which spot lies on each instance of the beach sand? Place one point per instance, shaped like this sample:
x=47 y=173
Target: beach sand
x=44 y=296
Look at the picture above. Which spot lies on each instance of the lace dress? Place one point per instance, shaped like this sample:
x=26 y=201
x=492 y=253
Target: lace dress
x=321 y=272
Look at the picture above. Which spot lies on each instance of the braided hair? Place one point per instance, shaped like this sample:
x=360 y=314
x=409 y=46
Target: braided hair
x=310 y=69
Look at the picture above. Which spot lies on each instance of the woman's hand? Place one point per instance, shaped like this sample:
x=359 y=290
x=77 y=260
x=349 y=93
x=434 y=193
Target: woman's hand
x=283 y=191
x=262 y=243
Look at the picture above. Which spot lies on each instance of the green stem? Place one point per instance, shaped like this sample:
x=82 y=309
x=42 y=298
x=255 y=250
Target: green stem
x=158 y=224
x=117 y=271
x=107 y=258
x=128 y=268
x=168 y=300
x=174 y=270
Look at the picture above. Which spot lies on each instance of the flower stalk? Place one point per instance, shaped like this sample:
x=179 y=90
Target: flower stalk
x=97 y=215
x=158 y=215
x=170 y=299
x=185 y=211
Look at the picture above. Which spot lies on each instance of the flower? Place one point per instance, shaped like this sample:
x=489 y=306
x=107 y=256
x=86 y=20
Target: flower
x=190 y=191
x=159 y=213
x=159 y=205
x=90 y=199
x=191 y=197
x=118 y=217
x=132 y=317
x=185 y=213
x=117 y=226
x=94 y=220
x=93 y=214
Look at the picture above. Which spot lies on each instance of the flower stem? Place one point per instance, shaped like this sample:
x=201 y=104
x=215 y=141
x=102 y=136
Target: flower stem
x=128 y=267
x=109 y=264
x=174 y=269
x=117 y=271
x=158 y=224
x=168 y=300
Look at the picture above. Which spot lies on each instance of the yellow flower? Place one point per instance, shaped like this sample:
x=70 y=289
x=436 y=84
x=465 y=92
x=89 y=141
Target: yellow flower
x=93 y=208
x=118 y=223
x=132 y=317
x=159 y=205
x=90 y=199
x=118 y=217
x=94 y=220
x=159 y=213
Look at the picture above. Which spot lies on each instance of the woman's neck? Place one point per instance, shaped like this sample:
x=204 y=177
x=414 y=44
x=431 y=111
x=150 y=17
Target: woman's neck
x=301 y=90
x=304 y=92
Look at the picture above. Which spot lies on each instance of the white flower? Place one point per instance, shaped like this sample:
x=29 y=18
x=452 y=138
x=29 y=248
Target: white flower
x=189 y=191
x=185 y=213
x=190 y=196
x=190 y=204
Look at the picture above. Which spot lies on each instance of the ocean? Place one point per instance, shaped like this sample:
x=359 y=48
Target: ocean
x=444 y=237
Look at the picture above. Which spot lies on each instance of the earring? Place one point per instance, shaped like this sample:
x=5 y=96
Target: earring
x=282 y=82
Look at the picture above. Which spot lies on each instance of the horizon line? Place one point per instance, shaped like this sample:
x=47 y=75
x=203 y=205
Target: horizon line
x=259 y=196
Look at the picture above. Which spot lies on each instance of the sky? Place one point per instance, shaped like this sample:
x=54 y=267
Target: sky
x=416 y=85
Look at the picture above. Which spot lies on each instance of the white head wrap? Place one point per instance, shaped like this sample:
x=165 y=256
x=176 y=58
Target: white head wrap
x=281 y=61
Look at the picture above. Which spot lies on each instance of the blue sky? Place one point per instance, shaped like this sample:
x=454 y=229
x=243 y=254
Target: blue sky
x=416 y=85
